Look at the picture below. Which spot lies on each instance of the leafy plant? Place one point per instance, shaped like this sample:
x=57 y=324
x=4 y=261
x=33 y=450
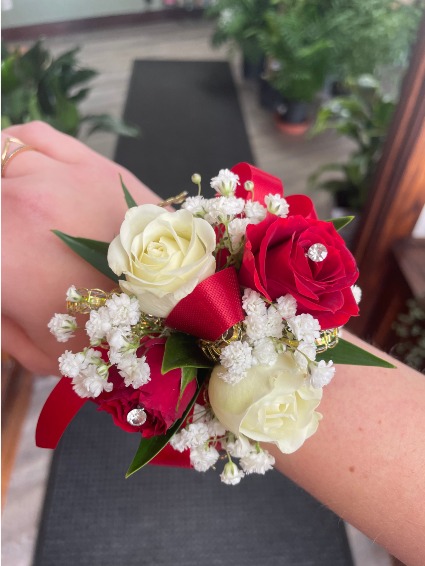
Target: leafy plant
x=369 y=35
x=312 y=40
x=241 y=23
x=364 y=117
x=296 y=41
x=38 y=86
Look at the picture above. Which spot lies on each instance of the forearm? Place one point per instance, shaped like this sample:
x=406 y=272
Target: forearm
x=367 y=460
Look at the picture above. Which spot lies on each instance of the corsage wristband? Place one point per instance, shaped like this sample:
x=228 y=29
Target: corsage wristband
x=222 y=331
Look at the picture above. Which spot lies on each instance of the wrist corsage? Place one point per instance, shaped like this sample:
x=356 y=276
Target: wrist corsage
x=221 y=328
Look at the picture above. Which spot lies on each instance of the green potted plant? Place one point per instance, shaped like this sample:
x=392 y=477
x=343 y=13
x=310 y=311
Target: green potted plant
x=310 y=43
x=38 y=86
x=364 y=117
x=240 y=23
x=299 y=49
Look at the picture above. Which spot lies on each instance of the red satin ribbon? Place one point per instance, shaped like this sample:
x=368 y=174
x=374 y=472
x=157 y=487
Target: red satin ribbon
x=170 y=457
x=212 y=307
x=264 y=183
x=60 y=408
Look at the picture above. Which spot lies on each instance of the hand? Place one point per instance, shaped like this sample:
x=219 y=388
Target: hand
x=66 y=186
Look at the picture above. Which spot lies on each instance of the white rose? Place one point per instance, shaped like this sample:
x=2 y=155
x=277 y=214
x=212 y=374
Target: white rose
x=271 y=404
x=163 y=256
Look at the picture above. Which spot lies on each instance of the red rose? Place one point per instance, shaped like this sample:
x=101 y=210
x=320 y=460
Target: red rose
x=275 y=263
x=159 y=398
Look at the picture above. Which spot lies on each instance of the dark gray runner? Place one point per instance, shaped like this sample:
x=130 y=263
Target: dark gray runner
x=190 y=121
x=92 y=516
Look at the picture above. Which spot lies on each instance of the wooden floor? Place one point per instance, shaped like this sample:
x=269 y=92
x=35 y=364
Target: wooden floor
x=292 y=159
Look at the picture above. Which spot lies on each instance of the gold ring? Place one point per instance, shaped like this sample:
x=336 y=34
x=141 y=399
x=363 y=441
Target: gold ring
x=6 y=157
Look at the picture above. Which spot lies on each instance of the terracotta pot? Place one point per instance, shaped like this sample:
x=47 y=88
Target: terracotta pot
x=293 y=117
x=292 y=129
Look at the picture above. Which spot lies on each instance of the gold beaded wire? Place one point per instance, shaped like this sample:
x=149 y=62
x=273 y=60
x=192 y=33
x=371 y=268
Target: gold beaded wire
x=328 y=339
x=91 y=299
x=178 y=199
x=212 y=349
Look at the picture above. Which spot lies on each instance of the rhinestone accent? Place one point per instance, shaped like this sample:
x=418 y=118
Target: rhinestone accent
x=317 y=252
x=136 y=417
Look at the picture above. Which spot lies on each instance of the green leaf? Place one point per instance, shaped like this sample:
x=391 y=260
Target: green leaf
x=107 y=123
x=182 y=351
x=347 y=353
x=128 y=198
x=188 y=375
x=9 y=81
x=150 y=447
x=339 y=223
x=93 y=251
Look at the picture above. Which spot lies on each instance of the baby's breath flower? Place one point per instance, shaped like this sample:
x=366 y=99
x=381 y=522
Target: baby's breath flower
x=119 y=340
x=203 y=457
x=257 y=462
x=287 y=306
x=178 y=442
x=254 y=211
x=321 y=373
x=72 y=295
x=225 y=183
x=62 y=326
x=196 y=205
x=98 y=325
x=236 y=230
x=277 y=205
x=274 y=323
x=92 y=356
x=256 y=325
x=238 y=447
x=203 y=415
x=236 y=358
x=193 y=435
x=231 y=474
x=223 y=209
x=253 y=303
x=70 y=364
x=215 y=428
x=135 y=371
x=123 y=310
x=89 y=383
x=304 y=327
x=121 y=343
x=308 y=349
x=357 y=293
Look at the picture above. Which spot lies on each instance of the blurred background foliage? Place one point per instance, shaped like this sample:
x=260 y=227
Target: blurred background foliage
x=38 y=86
x=340 y=60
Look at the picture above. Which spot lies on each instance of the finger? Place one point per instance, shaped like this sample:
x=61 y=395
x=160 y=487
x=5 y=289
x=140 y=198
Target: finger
x=17 y=343
x=49 y=141
x=20 y=161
